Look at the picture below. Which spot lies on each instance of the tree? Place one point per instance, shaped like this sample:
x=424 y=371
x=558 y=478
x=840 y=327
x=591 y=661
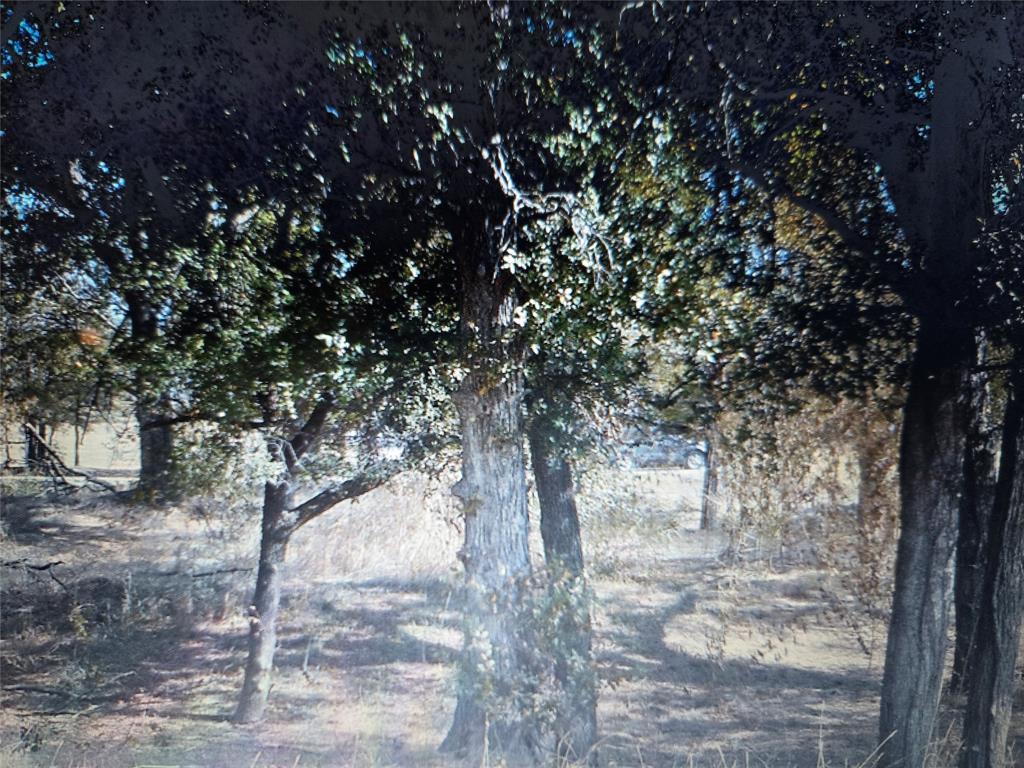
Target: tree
x=56 y=366
x=233 y=291
x=980 y=476
x=462 y=97
x=570 y=638
x=121 y=186
x=427 y=136
x=991 y=663
x=572 y=379
x=990 y=660
x=271 y=355
x=902 y=85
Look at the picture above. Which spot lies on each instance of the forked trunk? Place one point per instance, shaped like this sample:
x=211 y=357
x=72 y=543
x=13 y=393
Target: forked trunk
x=265 y=604
x=975 y=513
x=931 y=477
x=280 y=521
x=990 y=679
x=576 y=724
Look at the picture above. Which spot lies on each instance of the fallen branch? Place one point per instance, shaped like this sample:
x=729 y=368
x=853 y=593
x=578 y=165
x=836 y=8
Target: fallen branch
x=218 y=572
x=73 y=712
x=93 y=695
x=204 y=574
x=119 y=676
x=47 y=567
x=26 y=564
x=35 y=689
x=58 y=462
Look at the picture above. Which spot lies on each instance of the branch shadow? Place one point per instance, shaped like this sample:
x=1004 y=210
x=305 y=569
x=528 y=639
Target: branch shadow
x=701 y=704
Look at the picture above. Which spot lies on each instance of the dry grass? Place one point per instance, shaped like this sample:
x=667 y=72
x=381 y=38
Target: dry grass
x=705 y=661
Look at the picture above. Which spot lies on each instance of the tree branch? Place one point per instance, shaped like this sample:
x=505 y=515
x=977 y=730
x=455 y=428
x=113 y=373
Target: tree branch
x=193 y=416
x=311 y=429
x=850 y=236
x=330 y=497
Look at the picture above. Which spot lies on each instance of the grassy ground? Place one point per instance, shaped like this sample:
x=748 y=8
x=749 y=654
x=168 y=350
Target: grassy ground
x=129 y=651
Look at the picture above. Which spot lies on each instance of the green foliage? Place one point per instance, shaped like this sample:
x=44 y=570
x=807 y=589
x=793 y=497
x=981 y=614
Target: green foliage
x=57 y=368
x=216 y=462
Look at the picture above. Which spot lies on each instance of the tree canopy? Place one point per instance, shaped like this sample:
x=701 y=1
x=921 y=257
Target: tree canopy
x=278 y=217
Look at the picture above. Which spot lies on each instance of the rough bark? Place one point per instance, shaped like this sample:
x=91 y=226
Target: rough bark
x=496 y=559
x=576 y=724
x=940 y=202
x=990 y=679
x=931 y=478
x=975 y=511
x=493 y=718
x=265 y=603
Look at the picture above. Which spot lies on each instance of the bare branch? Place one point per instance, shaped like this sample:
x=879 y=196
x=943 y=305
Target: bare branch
x=331 y=497
x=541 y=205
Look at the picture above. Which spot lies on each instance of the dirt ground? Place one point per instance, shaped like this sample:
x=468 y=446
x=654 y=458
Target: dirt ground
x=128 y=651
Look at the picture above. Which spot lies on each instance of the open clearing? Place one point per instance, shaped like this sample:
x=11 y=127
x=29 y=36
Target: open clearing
x=134 y=657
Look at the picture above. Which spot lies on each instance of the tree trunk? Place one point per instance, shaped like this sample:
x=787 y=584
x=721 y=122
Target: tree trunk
x=709 y=493
x=280 y=521
x=35 y=456
x=265 y=603
x=156 y=444
x=576 y=723
x=931 y=479
x=975 y=511
x=156 y=439
x=940 y=199
x=991 y=670
x=488 y=715
x=493 y=715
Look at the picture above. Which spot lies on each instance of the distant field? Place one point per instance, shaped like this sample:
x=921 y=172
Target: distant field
x=104 y=446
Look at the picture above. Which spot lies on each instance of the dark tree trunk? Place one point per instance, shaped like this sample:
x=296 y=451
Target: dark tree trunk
x=494 y=688
x=709 y=492
x=576 y=726
x=156 y=444
x=152 y=406
x=940 y=202
x=35 y=456
x=559 y=519
x=975 y=511
x=990 y=678
x=265 y=603
x=931 y=479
